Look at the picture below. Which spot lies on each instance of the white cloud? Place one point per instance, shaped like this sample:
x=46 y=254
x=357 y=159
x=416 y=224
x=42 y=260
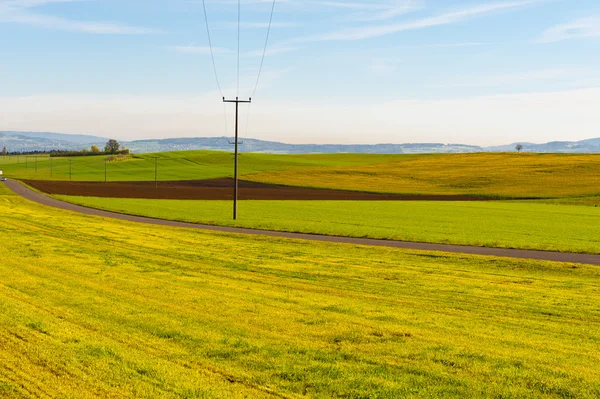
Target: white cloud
x=587 y=27
x=367 y=32
x=19 y=11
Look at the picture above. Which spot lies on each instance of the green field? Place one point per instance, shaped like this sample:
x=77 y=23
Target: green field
x=92 y=307
x=184 y=165
x=491 y=224
x=487 y=174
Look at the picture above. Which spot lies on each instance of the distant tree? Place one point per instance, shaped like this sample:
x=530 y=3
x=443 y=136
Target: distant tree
x=112 y=146
x=519 y=147
x=95 y=149
x=4 y=151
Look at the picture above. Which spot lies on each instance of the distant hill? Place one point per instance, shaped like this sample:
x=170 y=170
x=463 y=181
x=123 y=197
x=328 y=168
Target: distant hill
x=41 y=141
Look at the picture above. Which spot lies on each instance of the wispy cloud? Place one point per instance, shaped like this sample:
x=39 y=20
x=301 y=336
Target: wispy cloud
x=260 y=25
x=580 y=28
x=20 y=11
x=205 y=50
x=202 y=50
x=372 y=31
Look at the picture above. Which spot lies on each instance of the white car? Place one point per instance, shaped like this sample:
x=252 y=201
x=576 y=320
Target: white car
x=3 y=179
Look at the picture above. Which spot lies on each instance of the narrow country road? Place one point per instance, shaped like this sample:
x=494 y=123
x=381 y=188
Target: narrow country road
x=25 y=192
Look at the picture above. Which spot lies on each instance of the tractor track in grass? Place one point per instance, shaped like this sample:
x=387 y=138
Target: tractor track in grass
x=31 y=195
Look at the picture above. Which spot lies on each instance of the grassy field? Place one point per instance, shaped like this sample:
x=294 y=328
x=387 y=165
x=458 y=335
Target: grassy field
x=499 y=175
x=184 y=165
x=491 y=224
x=96 y=308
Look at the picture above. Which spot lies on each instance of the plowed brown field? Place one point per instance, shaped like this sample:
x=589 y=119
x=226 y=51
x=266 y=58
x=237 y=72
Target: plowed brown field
x=221 y=189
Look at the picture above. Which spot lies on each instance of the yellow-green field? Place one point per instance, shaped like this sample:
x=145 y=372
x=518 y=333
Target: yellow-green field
x=495 y=224
x=499 y=175
x=485 y=174
x=91 y=307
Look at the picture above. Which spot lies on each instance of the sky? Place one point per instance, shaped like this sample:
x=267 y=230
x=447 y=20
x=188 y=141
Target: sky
x=337 y=71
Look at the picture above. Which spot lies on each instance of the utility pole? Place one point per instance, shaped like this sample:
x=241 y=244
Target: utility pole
x=156 y=172
x=237 y=102
x=70 y=169
x=51 y=171
x=105 y=170
x=36 y=163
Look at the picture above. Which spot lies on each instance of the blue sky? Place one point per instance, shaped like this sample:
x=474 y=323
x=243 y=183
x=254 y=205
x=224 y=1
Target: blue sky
x=479 y=72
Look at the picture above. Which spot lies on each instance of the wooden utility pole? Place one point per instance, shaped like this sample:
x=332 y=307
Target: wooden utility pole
x=70 y=169
x=237 y=102
x=155 y=172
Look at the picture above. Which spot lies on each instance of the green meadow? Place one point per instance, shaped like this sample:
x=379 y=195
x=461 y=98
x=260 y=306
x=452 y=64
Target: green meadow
x=92 y=307
x=486 y=174
x=183 y=165
x=523 y=225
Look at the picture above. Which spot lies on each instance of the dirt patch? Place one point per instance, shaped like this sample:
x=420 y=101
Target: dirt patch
x=222 y=189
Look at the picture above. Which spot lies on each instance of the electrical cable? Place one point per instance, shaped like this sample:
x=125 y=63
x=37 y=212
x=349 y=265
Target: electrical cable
x=212 y=54
x=265 y=50
x=238 y=55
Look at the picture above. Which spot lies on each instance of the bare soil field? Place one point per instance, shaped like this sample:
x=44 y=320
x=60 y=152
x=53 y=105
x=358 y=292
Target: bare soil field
x=222 y=189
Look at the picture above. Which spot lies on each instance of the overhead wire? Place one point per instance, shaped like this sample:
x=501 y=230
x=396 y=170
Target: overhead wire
x=214 y=64
x=238 y=49
x=212 y=54
x=262 y=62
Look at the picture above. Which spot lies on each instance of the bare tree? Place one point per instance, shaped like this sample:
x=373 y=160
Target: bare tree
x=4 y=151
x=519 y=147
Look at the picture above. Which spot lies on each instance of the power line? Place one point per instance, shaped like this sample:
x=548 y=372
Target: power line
x=262 y=61
x=239 y=34
x=212 y=54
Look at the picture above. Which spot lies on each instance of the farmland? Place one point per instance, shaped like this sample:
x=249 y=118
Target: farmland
x=184 y=165
x=494 y=175
x=523 y=225
x=94 y=308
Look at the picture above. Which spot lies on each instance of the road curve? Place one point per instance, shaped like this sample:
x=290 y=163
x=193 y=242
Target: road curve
x=31 y=195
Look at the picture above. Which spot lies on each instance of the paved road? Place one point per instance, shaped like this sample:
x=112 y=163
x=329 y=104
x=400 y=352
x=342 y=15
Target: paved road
x=510 y=253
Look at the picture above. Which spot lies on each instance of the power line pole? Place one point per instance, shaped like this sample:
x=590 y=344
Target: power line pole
x=70 y=169
x=156 y=172
x=105 y=162
x=237 y=102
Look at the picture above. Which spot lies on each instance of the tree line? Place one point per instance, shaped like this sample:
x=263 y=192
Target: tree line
x=112 y=147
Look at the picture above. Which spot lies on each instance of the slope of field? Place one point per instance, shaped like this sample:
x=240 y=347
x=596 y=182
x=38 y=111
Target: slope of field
x=184 y=165
x=487 y=174
x=94 y=308
x=501 y=175
x=490 y=224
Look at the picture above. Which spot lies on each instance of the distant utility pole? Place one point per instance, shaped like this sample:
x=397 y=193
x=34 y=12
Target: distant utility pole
x=105 y=169
x=237 y=102
x=156 y=172
x=51 y=171
x=70 y=169
x=36 y=163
